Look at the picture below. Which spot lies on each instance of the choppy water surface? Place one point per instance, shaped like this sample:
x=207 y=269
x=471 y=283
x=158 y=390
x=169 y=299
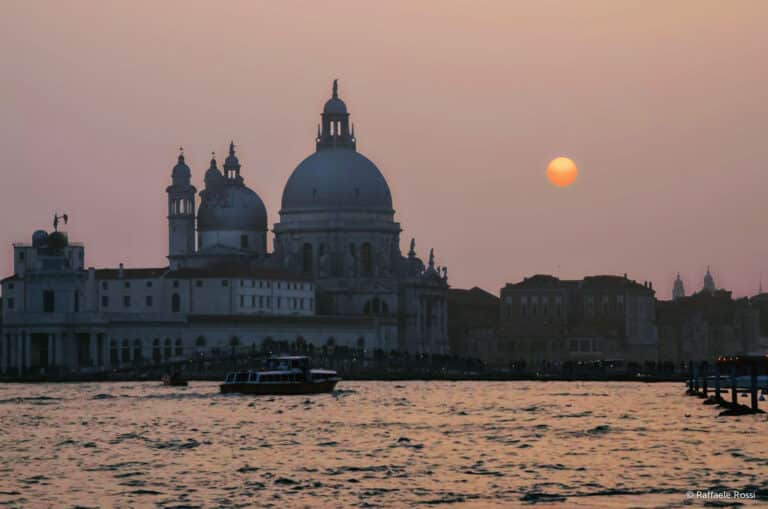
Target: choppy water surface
x=373 y=444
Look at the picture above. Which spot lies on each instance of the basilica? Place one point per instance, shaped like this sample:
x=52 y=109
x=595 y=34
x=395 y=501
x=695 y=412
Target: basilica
x=336 y=274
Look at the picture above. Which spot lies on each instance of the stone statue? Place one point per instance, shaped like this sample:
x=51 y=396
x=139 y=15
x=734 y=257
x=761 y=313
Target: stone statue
x=412 y=252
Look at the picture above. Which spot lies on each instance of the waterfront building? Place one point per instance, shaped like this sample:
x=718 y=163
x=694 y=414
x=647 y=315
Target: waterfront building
x=708 y=324
x=546 y=319
x=336 y=275
x=473 y=324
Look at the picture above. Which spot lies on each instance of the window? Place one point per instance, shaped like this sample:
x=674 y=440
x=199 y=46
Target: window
x=127 y=284
x=244 y=241
x=77 y=302
x=269 y=301
x=11 y=303
x=104 y=285
x=242 y=301
x=126 y=301
x=167 y=350
x=279 y=302
x=573 y=345
x=175 y=303
x=225 y=282
x=176 y=283
x=242 y=283
x=307 y=258
x=179 y=350
x=199 y=283
x=21 y=255
x=104 y=301
x=138 y=355
x=149 y=284
x=10 y=286
x=200 y=342
x=126 y=357
x=49 y=301
x=148 y=301
x=253 y=301
x=261 y=301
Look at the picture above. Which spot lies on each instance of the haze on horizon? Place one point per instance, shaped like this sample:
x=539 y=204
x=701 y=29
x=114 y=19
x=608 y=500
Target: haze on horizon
x=461 y=105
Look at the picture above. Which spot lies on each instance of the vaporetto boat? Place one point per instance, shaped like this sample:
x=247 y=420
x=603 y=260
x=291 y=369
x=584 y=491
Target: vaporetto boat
x=284 y=375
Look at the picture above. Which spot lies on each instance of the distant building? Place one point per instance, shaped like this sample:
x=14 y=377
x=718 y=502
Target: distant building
x=709 y=282
x=473 y=324
x=544 y=318
x=760 y=303
x=678 y=290
x=336 y=275
x=707 y=324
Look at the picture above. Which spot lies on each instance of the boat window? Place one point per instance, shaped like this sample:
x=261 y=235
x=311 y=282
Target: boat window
x=241 y=377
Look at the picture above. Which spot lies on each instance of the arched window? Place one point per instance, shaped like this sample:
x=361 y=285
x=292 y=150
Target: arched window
x=175 y=303
x=384 y=307
x=168 y=349
x=114 y=354
x=156 y=353
x=200 y=342
x=376 y=307
x=307 y=258
x=366 y=259
x=138 y=355
x=361 y=343
x=126 y=357
x=301 y=344
x=331 y=341
x=179 y=351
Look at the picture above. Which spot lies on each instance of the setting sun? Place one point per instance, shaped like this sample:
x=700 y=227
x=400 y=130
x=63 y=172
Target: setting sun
x=562 y=171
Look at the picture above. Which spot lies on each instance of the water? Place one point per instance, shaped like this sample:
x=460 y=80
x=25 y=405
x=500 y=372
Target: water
x=373 y=444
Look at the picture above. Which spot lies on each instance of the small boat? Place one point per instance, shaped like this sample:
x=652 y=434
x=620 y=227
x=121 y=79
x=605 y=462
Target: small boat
x=283 y=375
x=174 y=379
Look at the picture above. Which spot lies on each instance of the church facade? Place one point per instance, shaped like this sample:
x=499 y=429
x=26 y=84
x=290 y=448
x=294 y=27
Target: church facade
x=336 y=274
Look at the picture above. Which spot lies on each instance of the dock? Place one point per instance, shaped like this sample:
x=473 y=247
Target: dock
x=733 y=374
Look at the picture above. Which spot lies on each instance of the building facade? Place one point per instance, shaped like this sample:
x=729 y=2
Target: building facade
x=546 y=319
x=336 y=275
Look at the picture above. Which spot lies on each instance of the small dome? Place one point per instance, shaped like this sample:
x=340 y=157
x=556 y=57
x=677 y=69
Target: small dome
x=39 y=238
x=337 y=179
x=181 y=170
x=212 y=175
x=232 y=207
x=58 y=240
x=335 y=106
x=232 y=161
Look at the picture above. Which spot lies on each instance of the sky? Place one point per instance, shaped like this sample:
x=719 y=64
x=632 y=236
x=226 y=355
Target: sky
x=662 y=105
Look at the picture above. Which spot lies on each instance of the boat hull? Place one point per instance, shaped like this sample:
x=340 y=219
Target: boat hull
x=279 y=389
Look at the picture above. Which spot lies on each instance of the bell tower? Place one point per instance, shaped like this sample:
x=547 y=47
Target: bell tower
x=181 y=212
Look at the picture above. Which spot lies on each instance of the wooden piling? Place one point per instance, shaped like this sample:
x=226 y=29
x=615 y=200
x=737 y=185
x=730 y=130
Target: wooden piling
x=704 y=373
x=734 y=392
x=717 y=381
x=753 y=385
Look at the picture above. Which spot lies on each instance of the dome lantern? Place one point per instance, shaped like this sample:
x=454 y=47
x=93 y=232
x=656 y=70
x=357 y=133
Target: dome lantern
x=334 y=130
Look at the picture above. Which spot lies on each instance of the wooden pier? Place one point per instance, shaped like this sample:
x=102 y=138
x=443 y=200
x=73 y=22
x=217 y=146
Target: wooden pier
x=731 y=368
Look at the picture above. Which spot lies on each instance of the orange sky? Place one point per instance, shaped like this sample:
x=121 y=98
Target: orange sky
x=461 y=104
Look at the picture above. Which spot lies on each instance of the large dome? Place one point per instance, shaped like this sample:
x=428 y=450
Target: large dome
x=336 y=179
x=231 y=207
